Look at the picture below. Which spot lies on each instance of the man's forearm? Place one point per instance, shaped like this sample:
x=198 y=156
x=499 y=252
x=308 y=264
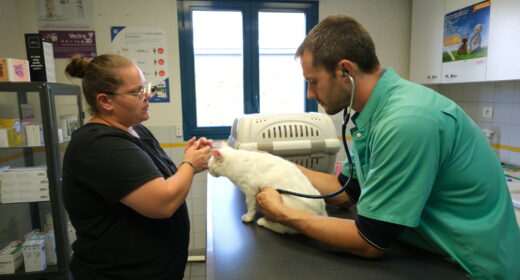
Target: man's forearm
x=336 y=232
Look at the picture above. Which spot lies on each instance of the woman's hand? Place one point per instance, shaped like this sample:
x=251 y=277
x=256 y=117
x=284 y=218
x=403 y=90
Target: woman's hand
x=198 y=153
x=203 y=142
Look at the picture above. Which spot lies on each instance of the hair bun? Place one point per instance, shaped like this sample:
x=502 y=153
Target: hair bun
x=77 y=66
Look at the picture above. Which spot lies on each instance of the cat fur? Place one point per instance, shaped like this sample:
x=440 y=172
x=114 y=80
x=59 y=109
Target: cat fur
x=250 y=171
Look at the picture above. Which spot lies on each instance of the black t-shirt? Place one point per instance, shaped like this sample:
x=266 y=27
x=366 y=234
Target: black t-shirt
x=103 y=164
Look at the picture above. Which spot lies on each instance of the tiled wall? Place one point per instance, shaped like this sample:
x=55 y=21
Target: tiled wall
x=504 y=98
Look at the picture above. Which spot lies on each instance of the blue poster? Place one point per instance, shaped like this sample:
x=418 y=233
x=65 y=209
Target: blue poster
x=146 y=46
x=466 y=33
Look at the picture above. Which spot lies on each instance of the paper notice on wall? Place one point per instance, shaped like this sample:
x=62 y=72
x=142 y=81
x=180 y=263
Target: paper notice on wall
x=146 y=46
x=69 y=25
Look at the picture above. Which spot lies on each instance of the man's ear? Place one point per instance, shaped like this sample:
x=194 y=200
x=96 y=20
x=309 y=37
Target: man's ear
x=346 y=66
x=104 y=102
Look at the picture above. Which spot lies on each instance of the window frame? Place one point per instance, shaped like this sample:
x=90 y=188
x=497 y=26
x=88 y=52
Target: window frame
x=250 y=10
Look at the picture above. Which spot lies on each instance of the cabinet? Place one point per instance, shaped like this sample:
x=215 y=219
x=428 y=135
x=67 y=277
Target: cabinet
x=46 y=104
x=504 y=40
x=470 y=70
x=426 y=41
x=427 y=44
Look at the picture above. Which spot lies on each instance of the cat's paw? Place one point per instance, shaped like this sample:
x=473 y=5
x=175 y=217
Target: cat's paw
x=247 y=218
x=262 y=222
x=272 y=226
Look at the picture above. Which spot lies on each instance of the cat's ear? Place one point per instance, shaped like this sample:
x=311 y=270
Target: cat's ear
x=216 y=154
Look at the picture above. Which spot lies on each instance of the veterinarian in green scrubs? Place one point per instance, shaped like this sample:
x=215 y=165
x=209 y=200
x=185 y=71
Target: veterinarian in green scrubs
x=424 y=173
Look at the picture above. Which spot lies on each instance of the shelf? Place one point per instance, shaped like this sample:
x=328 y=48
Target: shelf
x=46 y=104
x=52 y=272
x=32 y=147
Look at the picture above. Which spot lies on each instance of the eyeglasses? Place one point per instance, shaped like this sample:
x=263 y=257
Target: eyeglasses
x=147 y=89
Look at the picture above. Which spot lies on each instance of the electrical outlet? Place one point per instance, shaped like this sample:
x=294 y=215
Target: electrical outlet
x=487 y=112
x=178 y=131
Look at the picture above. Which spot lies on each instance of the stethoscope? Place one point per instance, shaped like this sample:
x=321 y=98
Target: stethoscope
x=346 y=118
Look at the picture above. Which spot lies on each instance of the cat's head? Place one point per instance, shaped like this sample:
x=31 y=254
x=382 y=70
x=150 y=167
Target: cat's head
x=216 y=161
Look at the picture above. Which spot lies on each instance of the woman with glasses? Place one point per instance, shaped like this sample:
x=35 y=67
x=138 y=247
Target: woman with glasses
x=124 y=196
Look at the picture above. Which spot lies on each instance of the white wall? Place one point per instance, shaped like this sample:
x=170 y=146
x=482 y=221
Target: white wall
x=151 y=13
x=387 y=21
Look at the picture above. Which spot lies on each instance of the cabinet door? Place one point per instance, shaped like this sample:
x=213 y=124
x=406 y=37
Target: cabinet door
x=426 y=41
x=458 y=71
x=504 y=41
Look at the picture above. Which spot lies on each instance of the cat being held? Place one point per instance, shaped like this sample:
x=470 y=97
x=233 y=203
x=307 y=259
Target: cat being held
x=251 y=171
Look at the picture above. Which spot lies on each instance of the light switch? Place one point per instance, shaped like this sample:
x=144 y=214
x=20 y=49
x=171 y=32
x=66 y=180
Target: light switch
x=487 y=112
x=178 y=131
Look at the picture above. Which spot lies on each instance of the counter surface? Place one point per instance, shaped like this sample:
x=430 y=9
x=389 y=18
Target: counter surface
x=237 y=250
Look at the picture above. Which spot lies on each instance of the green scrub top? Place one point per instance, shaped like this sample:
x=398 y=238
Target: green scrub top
x=423 y=163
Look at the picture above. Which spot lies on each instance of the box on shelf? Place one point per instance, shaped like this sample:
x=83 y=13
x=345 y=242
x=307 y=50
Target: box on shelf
x=9 y=138
x=14 y=70
x=10 y=133
x=34 y=255
x=41 y=57
x=50 y=244
x=68 y=124
x=36 y=172
x=33 y=135
x=28 y=184
x=11 y=258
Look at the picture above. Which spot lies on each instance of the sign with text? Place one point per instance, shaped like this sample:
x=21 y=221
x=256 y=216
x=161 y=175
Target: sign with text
x=146 y=46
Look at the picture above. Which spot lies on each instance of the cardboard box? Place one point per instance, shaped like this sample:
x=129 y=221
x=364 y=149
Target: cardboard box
x=23 y=172
x=25 y=184
x=11 y=258
x=50 y=244
x=34 y=255
x=14 y=70
x=69 y=123
x=13 y=132
x=9 y=138
x=33 y=135
x=4 y=138
x=41 y=58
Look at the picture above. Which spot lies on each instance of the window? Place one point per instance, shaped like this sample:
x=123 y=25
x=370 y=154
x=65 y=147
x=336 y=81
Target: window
x=237 y=57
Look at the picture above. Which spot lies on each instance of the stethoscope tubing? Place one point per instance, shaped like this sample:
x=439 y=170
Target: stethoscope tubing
x=346 y=118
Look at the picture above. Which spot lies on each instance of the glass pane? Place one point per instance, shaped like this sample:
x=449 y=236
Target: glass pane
x=281 y=80
x=218 y=49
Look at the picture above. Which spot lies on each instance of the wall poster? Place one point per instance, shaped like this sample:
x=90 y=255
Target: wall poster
x=466 y=33
x=146 y=46
x=69 y=25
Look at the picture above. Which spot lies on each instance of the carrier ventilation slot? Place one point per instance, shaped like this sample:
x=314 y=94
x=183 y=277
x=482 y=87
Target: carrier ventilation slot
x=290 y=131
x=305 y=162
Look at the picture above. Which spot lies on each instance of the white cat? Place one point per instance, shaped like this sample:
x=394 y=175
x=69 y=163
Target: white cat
x=253 y=170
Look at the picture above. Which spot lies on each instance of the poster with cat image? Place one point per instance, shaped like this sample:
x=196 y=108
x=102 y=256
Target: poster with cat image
x=466 y=33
